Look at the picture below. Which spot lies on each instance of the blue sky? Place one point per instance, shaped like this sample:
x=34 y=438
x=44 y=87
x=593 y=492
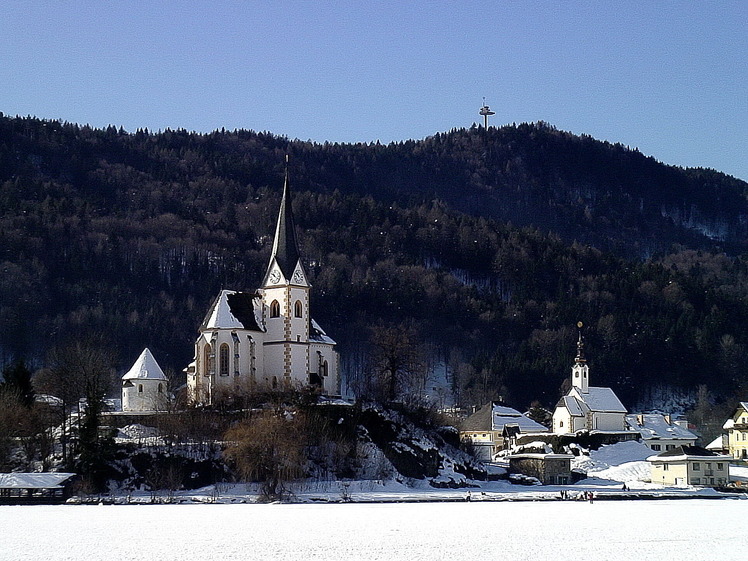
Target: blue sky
x=668 y=77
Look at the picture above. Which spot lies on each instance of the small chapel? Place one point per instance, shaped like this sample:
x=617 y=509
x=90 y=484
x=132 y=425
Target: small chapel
x=267 y=339
x=586 y=407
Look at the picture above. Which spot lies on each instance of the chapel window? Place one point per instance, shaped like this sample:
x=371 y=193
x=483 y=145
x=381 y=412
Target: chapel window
x=275 y=309
x=298 y=309
x=160 y=388
x=140 y=388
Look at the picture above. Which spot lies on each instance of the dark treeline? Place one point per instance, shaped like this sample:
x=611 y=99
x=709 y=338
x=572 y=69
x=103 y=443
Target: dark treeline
x=489 y=244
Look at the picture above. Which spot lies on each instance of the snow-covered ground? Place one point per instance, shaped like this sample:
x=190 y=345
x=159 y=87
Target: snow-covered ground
x=560 y=530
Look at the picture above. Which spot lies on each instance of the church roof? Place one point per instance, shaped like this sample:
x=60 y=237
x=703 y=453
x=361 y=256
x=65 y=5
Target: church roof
x=285 y=248
x=599 y=399
x=145 y=368
x=232 y=310
x=317 y=334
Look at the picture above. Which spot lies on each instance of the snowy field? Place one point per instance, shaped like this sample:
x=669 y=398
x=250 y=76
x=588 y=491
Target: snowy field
x=693 y=529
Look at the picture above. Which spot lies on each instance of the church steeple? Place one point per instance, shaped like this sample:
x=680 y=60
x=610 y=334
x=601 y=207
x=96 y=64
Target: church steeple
x=580 y=372
x=285 y=247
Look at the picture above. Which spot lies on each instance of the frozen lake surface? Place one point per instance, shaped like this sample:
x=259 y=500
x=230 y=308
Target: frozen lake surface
x=694 y=529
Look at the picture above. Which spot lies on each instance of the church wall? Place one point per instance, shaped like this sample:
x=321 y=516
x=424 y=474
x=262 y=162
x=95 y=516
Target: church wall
x=273 y=365
x=609 y=421
x=319 y=353
x=299 y=354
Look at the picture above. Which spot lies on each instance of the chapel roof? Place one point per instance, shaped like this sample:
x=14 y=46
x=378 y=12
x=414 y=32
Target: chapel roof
x=145 y=368
x=599 y=399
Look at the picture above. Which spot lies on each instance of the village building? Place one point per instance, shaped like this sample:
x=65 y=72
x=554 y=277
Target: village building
x=587 y=408
x=34 y=488
x=495 y=427
x=690 y=465
x=549 y=469
x=267 y=339
x=661 y=432
x=736 y=428
x=144 y=386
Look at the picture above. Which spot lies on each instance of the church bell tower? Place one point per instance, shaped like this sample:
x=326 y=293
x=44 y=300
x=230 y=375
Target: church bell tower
x=285 y=294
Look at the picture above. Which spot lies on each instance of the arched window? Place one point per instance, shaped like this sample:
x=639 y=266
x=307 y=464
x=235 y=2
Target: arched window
x=206 y=360
x=160 y=388
x=223 y=363
x=323 y=368
x=297 y=309
x=140 y=388
x=275 y=309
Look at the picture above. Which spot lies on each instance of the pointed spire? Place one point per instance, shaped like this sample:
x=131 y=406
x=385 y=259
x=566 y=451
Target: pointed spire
x=285 y=248
x=580 y=346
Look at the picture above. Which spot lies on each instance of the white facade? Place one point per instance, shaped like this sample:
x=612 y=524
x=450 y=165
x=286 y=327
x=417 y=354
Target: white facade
x=586 y=407
x=144 y=386
x=690 y=465
x=265 y=340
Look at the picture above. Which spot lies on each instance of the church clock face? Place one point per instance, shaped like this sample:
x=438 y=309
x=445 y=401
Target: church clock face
x=298 y=278
x=274 y=277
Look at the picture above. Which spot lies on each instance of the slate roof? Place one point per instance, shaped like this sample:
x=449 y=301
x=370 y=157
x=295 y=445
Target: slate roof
x=317 y=335
x=654 y=426
x=145 y=368
x=232 y=310
x=493 y=417
x=285 y=248
x=686 y=452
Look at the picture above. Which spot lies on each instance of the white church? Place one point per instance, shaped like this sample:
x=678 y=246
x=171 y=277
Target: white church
x=267 y=339
x=586 y=407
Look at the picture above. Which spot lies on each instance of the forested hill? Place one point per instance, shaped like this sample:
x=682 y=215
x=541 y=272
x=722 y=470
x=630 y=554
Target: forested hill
x=489 y=245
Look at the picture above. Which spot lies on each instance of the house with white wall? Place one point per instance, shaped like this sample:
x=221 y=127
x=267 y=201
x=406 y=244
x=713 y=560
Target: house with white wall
x=690 y=465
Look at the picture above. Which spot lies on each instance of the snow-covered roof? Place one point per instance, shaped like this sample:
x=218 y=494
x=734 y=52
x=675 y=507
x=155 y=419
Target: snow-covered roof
x=683 y=453
x=599 y=399
x=317 y=334
x=575 y=407
x=233 y=310
x=502 y=416
x=145 y=368
x=654 y=426
x=541 y=456
x=717 y=444
x=494 y=417
x=33 y=480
